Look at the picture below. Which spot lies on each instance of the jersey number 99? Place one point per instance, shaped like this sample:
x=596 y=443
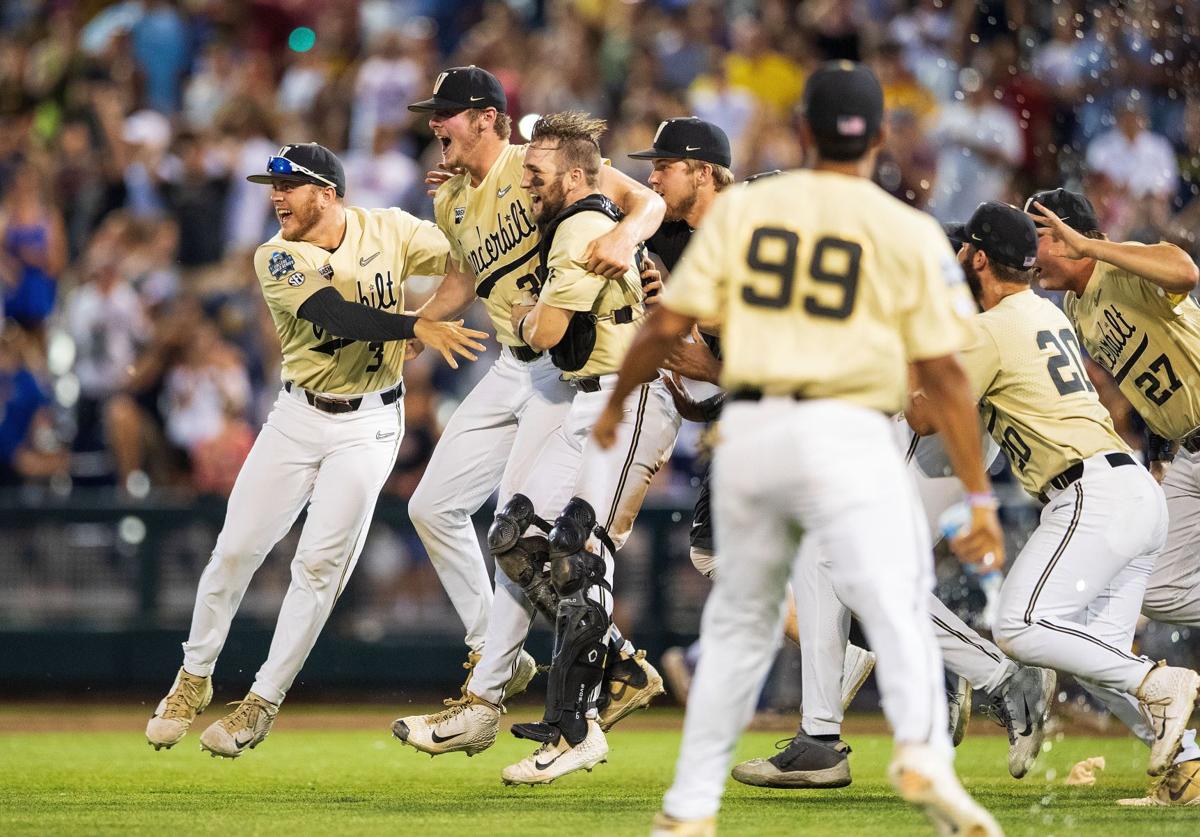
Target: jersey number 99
x=773 y=251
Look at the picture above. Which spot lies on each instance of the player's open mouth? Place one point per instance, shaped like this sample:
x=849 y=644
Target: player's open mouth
x=445 y=141
x=283 y=214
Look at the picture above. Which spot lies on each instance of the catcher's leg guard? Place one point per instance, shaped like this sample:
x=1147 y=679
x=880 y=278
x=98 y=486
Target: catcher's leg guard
x=522 y=558
x=580 y=631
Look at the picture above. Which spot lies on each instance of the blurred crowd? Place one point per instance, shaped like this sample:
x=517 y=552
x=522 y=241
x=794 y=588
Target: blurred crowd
x=136 y=350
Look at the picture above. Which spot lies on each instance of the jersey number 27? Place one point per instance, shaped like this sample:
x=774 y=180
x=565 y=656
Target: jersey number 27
x=773 y=251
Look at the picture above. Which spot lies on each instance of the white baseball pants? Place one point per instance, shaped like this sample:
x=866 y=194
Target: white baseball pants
x=833 y=471
x=1071 y=598
x=337 y=464
x=494 y=438
x=1173 y=592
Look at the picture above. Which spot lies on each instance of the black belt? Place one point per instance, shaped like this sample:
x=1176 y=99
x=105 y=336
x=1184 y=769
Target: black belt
x=754 y=394
x=525 y=354
x=1191 y=442
x=589 y=384
x=1064 y=480
x=347 y=405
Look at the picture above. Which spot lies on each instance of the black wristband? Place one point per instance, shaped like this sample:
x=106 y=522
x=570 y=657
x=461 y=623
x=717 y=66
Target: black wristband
x=521 y=329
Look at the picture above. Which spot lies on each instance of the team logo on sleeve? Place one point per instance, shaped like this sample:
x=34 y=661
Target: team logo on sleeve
x=460 y=212
x=296 y=279
x=281 y=264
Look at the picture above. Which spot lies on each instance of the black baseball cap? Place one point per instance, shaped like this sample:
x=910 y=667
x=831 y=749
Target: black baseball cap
x=463 y=88
x=843 y=105
x=1005 y=233
x=957 y=233
x=305 y=163
x=1074 y=209
x=689 y=138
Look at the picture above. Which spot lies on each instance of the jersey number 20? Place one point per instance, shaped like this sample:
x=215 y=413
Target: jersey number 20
x=782 y=265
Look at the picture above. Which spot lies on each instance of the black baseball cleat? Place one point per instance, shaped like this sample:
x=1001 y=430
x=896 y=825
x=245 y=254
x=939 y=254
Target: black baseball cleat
x=805 y=762
x=1021 y=705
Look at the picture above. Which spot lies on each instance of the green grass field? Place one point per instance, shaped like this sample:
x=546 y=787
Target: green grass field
x=334 y=771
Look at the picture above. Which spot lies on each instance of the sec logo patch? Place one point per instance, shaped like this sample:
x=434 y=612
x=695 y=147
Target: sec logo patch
x=296 y=279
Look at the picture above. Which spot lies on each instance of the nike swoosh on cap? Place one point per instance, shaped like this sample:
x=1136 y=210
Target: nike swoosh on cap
x=476 y=98
x=691 y=148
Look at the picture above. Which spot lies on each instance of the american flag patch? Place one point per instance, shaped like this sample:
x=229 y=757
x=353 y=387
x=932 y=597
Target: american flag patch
x=851 y=126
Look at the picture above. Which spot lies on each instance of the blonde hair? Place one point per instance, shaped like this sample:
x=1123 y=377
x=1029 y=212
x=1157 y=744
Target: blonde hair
x=578 y=137
x=721 y=176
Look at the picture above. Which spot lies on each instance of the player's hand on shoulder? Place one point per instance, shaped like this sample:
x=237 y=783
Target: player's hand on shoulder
x=983 y=542
x=438 y=176
x=450 y=339
x=413 y=349
x=610 y=255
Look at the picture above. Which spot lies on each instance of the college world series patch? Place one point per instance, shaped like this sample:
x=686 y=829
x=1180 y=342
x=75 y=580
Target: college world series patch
x=281 y=264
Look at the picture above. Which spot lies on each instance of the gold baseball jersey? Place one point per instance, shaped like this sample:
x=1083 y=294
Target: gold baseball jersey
x=493 y=236
x=1149 y=340
x=824 y=286
x=1035 y=397
x=569 y=285
x=380 y=250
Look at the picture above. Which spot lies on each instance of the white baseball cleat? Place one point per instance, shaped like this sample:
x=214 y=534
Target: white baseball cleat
x=189 y=697
x=468 y=725
x=1178 y=787
x=554 y=759
x=1021 y=705
x=856 y=668
x=244 y=728
x=525 y=671
x=1168 y=696
x=665 y=825
x=630 y=683
x=927 y=780
x=958 y=705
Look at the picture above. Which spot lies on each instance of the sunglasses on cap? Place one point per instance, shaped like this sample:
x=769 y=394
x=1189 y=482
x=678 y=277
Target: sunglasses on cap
x=284 y=167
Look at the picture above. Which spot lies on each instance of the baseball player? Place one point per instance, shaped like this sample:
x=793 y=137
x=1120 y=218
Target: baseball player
x=1071 y=598
x=586 y=322
x=691 y=165
x=333 y=279
x=1131 y=307
x=503 y=426
x=824 y=289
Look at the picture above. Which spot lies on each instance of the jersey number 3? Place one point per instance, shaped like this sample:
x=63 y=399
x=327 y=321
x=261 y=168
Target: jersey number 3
x=773 y=251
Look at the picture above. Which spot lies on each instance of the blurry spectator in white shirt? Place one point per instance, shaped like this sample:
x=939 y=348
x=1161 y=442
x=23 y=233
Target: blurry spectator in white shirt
x=1132 y=156
x=980 y=147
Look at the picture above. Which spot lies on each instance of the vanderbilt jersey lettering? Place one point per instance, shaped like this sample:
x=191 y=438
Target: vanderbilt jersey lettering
x=493 y=235
x=823 y=285
x=1149 y=340
x=380 y=250
x=1036 y=399
x=569 y=285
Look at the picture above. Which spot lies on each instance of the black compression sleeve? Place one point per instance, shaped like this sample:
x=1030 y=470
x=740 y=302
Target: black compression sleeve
x=341 y=318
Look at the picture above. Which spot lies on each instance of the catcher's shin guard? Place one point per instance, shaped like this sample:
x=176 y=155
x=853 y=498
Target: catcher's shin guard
x=581 y=627
x=524 y=558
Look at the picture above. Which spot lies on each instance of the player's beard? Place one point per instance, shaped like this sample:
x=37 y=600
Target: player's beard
x=680 y=211
x=304 y=218
x=973 y=282
x=552 y=200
